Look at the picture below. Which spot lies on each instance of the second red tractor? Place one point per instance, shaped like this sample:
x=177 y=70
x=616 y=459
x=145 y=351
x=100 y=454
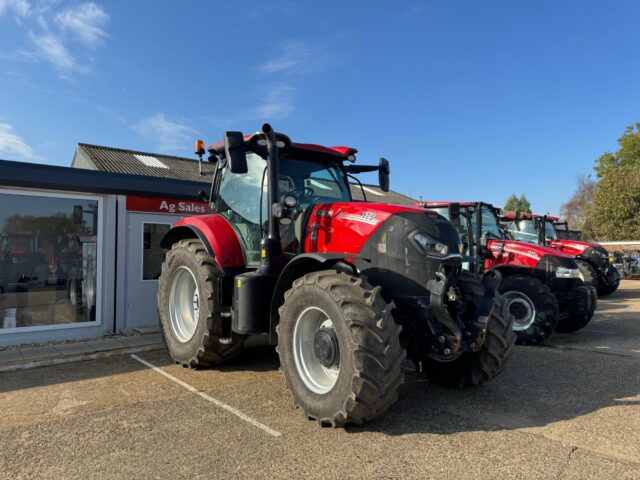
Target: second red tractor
x=541 y=285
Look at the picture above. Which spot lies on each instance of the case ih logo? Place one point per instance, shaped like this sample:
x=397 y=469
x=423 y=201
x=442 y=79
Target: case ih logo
x=166 y=205
x=365 y=217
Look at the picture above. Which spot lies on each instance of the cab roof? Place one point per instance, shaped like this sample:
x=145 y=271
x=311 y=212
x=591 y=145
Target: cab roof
x=258 y=138
x=528 y=216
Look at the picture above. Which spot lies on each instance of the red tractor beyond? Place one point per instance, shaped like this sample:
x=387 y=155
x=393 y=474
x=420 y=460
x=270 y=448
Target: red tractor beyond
x=344 y=289
x=592 y=258
x=541 y=285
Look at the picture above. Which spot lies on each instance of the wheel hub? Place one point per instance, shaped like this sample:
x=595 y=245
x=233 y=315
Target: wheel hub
x=522 y=308
x=325 y=346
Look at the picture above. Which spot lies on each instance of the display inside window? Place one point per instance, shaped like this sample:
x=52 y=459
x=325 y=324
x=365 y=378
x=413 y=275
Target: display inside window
x=48 y=260
x=152 y=253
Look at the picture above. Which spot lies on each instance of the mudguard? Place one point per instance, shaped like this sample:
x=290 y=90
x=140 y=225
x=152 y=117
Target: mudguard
x=299 y=266
x=217 y=235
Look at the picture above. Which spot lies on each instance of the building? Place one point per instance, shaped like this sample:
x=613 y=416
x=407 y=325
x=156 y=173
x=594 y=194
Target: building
x=79 y=253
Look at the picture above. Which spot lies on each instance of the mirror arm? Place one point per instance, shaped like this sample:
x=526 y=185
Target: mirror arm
x=364 y=195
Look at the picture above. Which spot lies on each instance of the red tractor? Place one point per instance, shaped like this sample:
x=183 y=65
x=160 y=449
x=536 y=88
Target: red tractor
x=344 y=289
x=592 y=258
x=541 y=286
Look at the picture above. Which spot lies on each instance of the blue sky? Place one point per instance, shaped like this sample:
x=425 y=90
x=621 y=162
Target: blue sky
x=468 y=100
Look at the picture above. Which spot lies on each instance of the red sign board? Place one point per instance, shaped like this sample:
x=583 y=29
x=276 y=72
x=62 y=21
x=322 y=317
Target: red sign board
x=169 y=206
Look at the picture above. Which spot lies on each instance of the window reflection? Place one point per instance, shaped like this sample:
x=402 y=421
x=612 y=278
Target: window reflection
x=152 y=254
x=48 y=260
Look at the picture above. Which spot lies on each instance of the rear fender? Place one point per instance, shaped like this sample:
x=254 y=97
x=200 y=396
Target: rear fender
x=300 y=266
x=217 y=235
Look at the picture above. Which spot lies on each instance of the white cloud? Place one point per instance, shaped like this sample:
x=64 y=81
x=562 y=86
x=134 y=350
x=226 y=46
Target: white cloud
x=50 y=48
x=49 y=30
x=298 y=57
x=278 y=102
x=86 y=21
x=169 y=136
x=19 y=8
x=13 y=145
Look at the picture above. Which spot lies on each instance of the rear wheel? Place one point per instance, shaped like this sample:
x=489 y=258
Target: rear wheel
x=186 y=293
x=533 y=306
x=474 y=368
x=339 y=348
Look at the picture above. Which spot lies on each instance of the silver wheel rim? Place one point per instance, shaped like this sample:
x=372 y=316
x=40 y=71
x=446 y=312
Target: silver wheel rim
x=184 y=304
x=522 y=308
x=316 y=376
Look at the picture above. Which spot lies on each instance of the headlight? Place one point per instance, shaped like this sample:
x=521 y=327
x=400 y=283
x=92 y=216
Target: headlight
x=429 y=245
x=563 y=272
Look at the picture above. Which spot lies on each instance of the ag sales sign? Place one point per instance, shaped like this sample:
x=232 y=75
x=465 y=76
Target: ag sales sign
x=170 y=206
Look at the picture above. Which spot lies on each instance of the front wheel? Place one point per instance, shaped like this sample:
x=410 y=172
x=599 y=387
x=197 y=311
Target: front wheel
x=611 y=282
x=339 y=348
x=186 y=299
x=533 y=306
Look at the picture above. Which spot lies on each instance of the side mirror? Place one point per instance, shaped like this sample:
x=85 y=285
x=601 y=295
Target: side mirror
x=454 y=214
x=383 y=174
x=235 y=152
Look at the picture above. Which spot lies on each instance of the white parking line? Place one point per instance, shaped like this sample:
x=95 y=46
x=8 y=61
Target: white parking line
x=209 y=398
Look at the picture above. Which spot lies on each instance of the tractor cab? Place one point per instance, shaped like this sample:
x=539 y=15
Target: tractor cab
x=527 y=227
x=477 y=222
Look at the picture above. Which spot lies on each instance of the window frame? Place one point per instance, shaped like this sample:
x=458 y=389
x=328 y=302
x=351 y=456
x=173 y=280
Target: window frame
x=99 y=261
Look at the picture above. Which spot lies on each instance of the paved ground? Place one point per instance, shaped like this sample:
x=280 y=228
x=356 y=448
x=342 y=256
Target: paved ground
x=567 y=410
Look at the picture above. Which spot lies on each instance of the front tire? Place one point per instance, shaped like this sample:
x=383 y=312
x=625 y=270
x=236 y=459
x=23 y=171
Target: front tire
x=186 y=299
x=349 y=370
x=475 y=368
x=611 y=284
x=533 y=306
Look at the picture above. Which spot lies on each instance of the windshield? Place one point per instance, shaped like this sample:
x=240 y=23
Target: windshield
x=490 y=225
x=523 y=230
x=242 y=198
x=550 y=230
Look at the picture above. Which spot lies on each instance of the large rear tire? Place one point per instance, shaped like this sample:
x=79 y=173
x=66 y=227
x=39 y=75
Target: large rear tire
x=475 y=368
x=533 y=306
x=186 y=299
x=339 y=348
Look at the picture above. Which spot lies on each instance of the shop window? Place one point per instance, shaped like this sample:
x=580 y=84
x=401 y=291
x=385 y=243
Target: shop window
x=152 y=253
x=48 y=260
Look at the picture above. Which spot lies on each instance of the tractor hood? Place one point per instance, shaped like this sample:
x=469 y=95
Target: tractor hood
x=523 y=253
x=571 y=247
x=347 y=226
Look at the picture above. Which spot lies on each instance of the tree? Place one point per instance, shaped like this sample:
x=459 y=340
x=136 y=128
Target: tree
x=615 y=214
x=575 y=210
x=517 y=204
x=627 y=154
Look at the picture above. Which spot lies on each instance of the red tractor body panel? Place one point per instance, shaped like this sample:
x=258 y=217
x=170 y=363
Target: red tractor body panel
x=221 y=237
x=568 y=247
x=345 y=227
x=510 y=252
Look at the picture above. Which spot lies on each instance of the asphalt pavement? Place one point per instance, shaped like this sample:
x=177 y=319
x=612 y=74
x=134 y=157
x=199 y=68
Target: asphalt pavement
x=569 y=409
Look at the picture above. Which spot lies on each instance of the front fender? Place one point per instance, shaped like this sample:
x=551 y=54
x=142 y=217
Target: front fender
x=217 y=235
x=299 y=266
